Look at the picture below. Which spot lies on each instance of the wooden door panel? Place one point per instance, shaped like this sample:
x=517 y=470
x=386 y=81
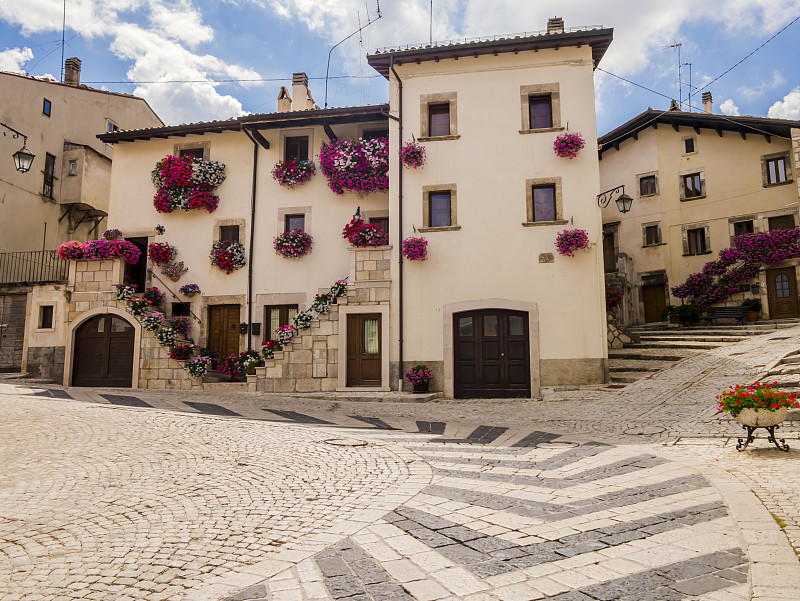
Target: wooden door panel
x=223 y=329
x=364 y=350
x=655 y=301
x=782 y=293
x=104 y=352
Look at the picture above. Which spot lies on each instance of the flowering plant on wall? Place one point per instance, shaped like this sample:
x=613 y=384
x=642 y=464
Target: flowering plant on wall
x=174 y=270
x=125 y=290
x=139 y=306
x=182 y=325
x=361 y=234
x=232 y=367
x=567 y=145
x=285 y=334
x=113 y=234
x=613 y=297
x=412 y=154
x=161 y=253
x=228 y=256
x=186 y=183
x=303 y=320
x=293 y=244
x=356 y=165
x=99 y=250
x=153 y=321
x=199 y=366
x=269 y=347
x=322 y=302
x=70 y=250
x=293 y=173
x=415 y=249
x=166 y=336
x=568 y=241
x=182 y=352
x=189 y=289
x=419 y=374
x=339 y=289
x=154 y=295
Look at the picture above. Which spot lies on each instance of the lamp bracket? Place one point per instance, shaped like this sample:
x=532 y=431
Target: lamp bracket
x=16 y=134
x=604 y=198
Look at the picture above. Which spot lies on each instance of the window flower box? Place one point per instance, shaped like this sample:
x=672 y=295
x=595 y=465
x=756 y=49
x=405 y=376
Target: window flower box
x=228 y=256
x=356 y=165
x=360 y=234
x=186 y=183
x=99 y=250
x=293 y=244
x=293 y=173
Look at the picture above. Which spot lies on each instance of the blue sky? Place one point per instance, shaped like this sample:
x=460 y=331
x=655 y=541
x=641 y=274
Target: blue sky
x=137 y=45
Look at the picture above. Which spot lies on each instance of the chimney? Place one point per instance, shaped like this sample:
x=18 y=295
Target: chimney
x=302 y=99
x=284 y=101
x=555 y=25
x=707 y=104
x=72 y=71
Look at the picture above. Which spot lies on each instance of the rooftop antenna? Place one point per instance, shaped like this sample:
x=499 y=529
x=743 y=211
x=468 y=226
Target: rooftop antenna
x=431 y=24
x=689 y=100
x=63 y=29
x=677 y=46
x=357 y=31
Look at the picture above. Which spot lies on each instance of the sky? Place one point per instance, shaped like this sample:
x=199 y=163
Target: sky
x=199 y=60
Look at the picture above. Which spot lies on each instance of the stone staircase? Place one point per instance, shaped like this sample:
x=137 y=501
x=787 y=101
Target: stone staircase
x=661 y=345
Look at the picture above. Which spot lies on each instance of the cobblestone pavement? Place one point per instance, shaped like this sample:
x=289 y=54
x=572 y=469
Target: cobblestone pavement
x=593 y=495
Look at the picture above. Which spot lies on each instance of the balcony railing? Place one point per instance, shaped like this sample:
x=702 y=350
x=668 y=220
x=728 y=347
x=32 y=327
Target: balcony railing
x=32 y=267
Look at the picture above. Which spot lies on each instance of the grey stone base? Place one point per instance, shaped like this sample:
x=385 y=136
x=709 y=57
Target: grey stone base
x=559 y=372
x=46 y=362
x=437 y=367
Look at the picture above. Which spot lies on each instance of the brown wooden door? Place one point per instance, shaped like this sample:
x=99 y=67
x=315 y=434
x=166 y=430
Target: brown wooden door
x=223 y=329
x=655 y=301
x=103 y=353
x=364 y=350
x=137 y=272
x=782 y=291
x=491 y=354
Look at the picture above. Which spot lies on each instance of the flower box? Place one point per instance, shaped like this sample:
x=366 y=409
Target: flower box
x=293 y=173
x=568 y=145
x=356 y=165
x=293 y=244
x=228 y=256
x=186 y=183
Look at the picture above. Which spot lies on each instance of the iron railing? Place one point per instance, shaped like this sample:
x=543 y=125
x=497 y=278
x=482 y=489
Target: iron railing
x=32 y=267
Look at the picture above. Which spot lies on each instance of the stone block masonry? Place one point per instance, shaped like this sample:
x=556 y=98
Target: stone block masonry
x=12 y=329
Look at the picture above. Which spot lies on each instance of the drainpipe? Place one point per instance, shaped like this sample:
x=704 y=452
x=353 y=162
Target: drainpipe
x=399 y=222
x=252 y=242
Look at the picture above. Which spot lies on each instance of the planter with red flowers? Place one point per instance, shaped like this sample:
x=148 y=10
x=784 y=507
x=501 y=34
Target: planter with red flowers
x=568 y=145
x=293 y=244
x=356 y=165
x=415 y=249
x=161 y=253
x=758 y=406
x=99 y=250
x=186 y=183
x=412 y=154
x=293 y=173
x=568 y=241
x=228 y=256
x=361 y=234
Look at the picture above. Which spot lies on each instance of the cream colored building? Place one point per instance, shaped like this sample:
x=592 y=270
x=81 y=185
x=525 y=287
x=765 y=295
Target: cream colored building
x=494 y=310
x=696 y=180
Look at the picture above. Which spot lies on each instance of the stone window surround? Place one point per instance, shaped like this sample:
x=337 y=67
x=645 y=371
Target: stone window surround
x=278 y=298
x=206 y=146
x=685 y=237
x=788 y=163
x=219 y=223
x=682 y=186
x=543 y=181
x=644 y=234
x=297 y=133
x=52 y=328
x=532 y=309
x=683 y=145
x=425 y=100
x=639 y=176
x=540 y=89
x=223 y=299
x=344 y=311
x=426 y=208
x=763 y=218
x=370 y=127
x=284 y=211
x=739 y=219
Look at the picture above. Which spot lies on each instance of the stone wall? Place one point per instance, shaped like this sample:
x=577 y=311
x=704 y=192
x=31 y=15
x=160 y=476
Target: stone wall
x=12 y=328
x=46 y=362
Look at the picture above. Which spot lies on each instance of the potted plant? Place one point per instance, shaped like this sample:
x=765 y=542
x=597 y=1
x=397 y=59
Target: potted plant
x=139 y=306
x=568 y=241
x=161 y=253
x=567 y=145
x=182 y=325
x=361 y=234
x=112 y=234
x=227 y=255
x=293 y=173
x=754 y=308
x=414 y=249
x=269 y=347
x=174 y=270
x=412 y=154
x=688 y=315
x=186 y=183
x=232 y=367
x=125 y=290
x=189 y=289
x=670 y=313
x=199 y=366
x=356 y=165
x=293 y=244
x=166 y=335
x=154 y=295
x=758 y=406
x=420 y=376
x=250 y=360
x=152 y=322
x=182 y=352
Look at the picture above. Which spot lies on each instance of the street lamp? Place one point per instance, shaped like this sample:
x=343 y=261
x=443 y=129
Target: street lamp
x=623 y=201
x=23 y=158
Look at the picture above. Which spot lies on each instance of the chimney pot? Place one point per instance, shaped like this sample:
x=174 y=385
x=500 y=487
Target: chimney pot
x=72 y=71
x=555 y=25
x=301 y=96
x=707 y=103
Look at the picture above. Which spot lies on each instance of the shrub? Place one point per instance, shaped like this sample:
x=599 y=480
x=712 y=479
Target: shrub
x=419 y=374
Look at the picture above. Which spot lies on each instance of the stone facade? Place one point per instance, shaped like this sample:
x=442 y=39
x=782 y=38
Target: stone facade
x=46 y=362
x=12 y=328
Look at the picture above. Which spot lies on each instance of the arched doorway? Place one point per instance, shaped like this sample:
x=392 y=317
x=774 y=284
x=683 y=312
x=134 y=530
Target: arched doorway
x=104 y=352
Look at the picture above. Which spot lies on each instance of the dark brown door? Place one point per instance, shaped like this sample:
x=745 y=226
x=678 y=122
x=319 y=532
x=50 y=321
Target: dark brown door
x=223 y=329
x=491 y=354
x=782 y=291
x=364 y=350
x=137 y=272
x=655 y=301
x=609 y=253
x=103 y=353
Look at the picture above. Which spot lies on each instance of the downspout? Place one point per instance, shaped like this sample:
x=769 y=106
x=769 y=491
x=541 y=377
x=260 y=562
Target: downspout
x=252 y=240
x=399 y=222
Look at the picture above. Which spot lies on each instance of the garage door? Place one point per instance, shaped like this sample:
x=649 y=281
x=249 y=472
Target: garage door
x=103 y=352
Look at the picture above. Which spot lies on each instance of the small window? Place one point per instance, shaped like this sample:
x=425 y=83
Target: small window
x=781 y=222
x=544 y=203
x=688 y=146
x=439 y=209
x=46 y=317
x=197 y=153
x=180 y=310
x=647 y=185
x=776 y=171
x=382 y=222
x=277 y=316
x=692 y=185
x=296 y=148
x=294 y=222
x=541 y=110
x=112 y=127
x=697 y=241
x=46 y=107
x=439 y=119
x=229 y=233
x=743 y=227
x=374 y=134
x=652 y=235
x=72 y=168
x=49 y=175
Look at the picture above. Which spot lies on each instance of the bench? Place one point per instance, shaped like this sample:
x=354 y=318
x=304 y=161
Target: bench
x=737 y=313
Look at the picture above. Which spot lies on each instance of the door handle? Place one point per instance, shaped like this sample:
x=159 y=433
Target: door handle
x=502 y=354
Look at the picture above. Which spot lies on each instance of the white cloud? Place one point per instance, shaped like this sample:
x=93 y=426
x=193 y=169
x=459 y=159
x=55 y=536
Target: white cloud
x=12 y=59
x=788 y=108
x=729 y=108
x=751 y=92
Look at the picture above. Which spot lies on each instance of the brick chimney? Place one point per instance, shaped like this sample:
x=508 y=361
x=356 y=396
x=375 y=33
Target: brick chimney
x=72 y=71
x=707 y=104
x=555 y=25
x=284 y=101
x=301 y=96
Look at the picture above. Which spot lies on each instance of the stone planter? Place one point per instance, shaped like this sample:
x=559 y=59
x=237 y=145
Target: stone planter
x=761 y=418
x=421 y=387
x=752 y=316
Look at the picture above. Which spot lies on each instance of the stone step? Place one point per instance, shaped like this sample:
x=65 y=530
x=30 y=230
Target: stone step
x=642 y=354
x=622 y=365
x=626 y=377
x=761 y=326
x=792 y=360
x=678 y=344
x=691 y=338
x=225 y=386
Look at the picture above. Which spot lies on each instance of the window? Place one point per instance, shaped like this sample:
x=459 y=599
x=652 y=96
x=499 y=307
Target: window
x=438 y=116
x=46 y=317
x=688 y=146
x=294 y=222
x=742 y=227
x=439 y=119
x=229 y=233
x=652 y=235
x=541 y=111
x=180 y=310
x=781 y=222
x=46 y=107
x=112 y=127
x=697 y=241
x=197 y=153
x=374 y=134
x=49 y=170
x=647 y=185
x=277 y=316
x=544 y=202
x=382 y=222
x=72 y=168
x=692 y=185
x=296 y=148
x=439 y=209
x=776 y=170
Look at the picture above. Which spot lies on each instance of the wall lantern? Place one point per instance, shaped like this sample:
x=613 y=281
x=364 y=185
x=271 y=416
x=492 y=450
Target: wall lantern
x=623 y=201
x=23 y=158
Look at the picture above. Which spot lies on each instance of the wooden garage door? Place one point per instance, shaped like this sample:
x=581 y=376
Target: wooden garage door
x=491 y=354
x=103 y=353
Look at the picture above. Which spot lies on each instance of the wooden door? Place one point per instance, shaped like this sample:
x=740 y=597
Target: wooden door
x=223 y=329
x=364 y=350
x=103 y=354
x=137 y=272
x=491 y=354
x=782 y=292
x=655 y=301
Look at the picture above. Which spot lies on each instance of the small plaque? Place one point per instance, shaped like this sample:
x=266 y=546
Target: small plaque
x=546 y=258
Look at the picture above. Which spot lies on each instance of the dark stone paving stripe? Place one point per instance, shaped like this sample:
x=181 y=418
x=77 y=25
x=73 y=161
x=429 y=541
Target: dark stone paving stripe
x=127 y=401
x=374 y=421
x=211 y=408
x=480 y=435
x=534 y=438
x=431 y=427
x=253 y=593
x=299 y=418
x=56 y=393
x=590 y=449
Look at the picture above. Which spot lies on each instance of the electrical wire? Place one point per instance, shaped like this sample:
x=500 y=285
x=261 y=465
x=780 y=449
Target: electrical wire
x=215 y=81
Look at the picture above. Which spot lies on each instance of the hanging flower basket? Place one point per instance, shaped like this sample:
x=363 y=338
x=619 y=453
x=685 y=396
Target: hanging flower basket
x=99 y=250
x=292 y=173
x=356 y=165
x=228 y=256
x=186 y=183
x=189 y=289
x=161 y=253
x=174 y=271
x=293 y=244
x=568 y=145
x=361 y=234
x=568 y=241
x=415 y=249
x=412 y=154
x=113 y=234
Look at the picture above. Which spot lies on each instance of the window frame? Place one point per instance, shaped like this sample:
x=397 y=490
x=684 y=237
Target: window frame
x=787 y=167
x=684 y=140
x=685 y=235
x=646 y=227
x=426 y=208
x=221 y=223
x=289 y=216
x=426 y=101
x=289 y=141
x=51 y=173
x=373 y=133
x=183 y=146
x=43 y=310
x=283 y=318
x=226 y=230
x=72 y=167
x=641 y=177
x=691 y=174
x=553 y=90
x=540 y=182
x=47 y=107
x=548 y=102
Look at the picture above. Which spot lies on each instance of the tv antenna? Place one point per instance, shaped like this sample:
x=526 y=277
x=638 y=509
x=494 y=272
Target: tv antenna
x=63 y=30
x=431 y=24
x=677 y=46
x=369 y=22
